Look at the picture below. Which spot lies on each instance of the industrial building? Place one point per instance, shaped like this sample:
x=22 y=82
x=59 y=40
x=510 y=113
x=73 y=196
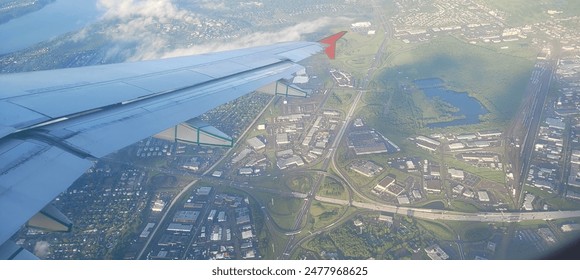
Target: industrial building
x=256 y=143
x=384 y=184
x=179 y=227
x=366 y=142
x=186 y=217
x=436 y=253
x=294 y=160
x=483 y=196
x=366 y=168
x=456 y=174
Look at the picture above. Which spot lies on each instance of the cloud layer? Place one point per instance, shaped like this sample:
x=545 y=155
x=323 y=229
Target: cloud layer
x=292 y=33
x=140 y=29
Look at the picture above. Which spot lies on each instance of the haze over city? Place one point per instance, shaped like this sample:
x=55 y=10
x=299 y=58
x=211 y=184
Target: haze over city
x=441 y=130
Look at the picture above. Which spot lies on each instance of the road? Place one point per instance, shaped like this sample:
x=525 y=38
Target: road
x=186 y=189
x=434 y=214
x=330 y=158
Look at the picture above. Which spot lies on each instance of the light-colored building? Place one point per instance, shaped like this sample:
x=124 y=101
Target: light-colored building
x=403 y=199
x=384 y=184
x=428 y=140
x=468 y=193
x=256 y=143
x=203 y=191
x=158 y=205
x=483 y=196
x=456 y=173
x=436 y=253
x=186 y=217
x=247 y=234
x=570 y=227
x=246 y=171
x=432 y=186
x=456 y=146
x=284 y=163
x=458 y=189
x=282 y=139
x=179 y=227
x=528 y=199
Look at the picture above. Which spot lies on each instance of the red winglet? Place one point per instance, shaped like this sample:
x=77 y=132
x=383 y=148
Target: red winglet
x=331 y=42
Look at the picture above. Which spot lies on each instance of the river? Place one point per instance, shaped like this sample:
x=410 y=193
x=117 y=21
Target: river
x=53 y=20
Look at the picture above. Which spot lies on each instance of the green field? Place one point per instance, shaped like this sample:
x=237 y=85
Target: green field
x=496 y=80
x=332 y=188
x=439 y=230
x=356 y=52
x=300 y=183
x=282 y=209
x=323 y=214
x=463 y=206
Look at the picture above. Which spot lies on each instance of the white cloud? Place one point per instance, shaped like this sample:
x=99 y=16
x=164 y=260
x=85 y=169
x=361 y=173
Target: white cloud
x=41 y=249
x=135 y=27
x=292 y=33
x=213 y=5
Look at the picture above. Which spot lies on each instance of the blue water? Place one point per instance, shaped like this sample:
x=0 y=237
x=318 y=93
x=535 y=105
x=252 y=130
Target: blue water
x=470 y=109
x=54 y=19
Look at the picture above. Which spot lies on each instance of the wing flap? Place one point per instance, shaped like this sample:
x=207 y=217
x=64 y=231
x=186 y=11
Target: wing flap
x=104 y=132
x=13 y=117
x=80 y=99
x=32 y=174
x=169 y=81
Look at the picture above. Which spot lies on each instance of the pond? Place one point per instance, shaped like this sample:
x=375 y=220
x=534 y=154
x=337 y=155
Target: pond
x=439 y=205
x=469 y=108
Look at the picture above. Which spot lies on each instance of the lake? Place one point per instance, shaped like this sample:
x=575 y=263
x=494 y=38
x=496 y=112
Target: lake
x=469 y=108
x=53 y=20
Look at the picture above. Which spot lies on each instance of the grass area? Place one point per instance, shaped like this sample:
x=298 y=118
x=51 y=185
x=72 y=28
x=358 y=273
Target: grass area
x=302 y=183
x=340 y=99
x=273 y=244
x=276 y=182
x=522 y=48
x=462 y=206
x=323 y=214
x=496 y=80
x=440 y=231
x=357 y=52
x=471 y=231
x=282 y=209
x=333 y=189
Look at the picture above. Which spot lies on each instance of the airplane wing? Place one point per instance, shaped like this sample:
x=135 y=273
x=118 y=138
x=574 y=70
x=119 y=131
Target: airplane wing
x=54 y=124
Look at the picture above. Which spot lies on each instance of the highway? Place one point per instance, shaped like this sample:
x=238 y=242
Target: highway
x=186 y=189
x=434 y=214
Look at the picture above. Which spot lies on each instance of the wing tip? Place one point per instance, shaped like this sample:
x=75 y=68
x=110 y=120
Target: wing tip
x=330 y=41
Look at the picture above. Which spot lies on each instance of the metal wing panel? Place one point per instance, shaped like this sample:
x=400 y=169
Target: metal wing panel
x=84 y=98
x=169 y=81
x=23 y=195
x=13 y=117
x=18 y=84
x=59 y=93
x=221 y=69
x=104 y=132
